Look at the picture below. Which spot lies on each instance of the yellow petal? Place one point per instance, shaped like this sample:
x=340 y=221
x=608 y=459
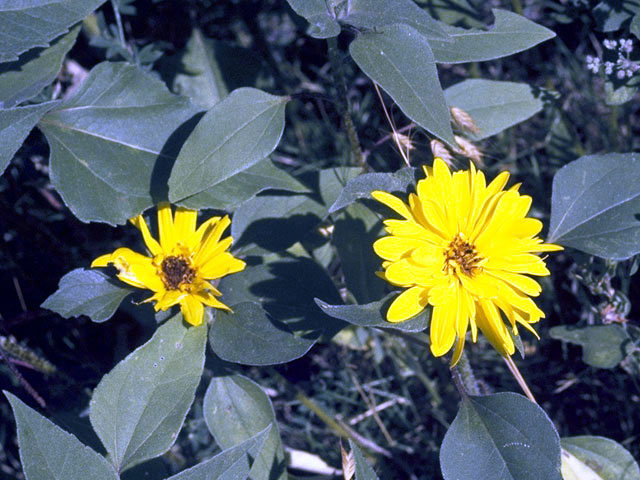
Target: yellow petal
x=165 y=227
x=406 y=305
x=394 y=248
x=133 y=268
x=184 y=225
x=151 y=243
x=210 y=300
x=209 y=245
x=168 y=299
x=393 y=202
x=221 y=265
x=442 y=330
x=192 y=310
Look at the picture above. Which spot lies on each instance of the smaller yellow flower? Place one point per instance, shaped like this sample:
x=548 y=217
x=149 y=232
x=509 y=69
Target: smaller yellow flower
x=180 y=264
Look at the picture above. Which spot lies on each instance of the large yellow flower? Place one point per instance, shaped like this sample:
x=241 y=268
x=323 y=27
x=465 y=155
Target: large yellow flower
x=179 y=264
x=463 y=247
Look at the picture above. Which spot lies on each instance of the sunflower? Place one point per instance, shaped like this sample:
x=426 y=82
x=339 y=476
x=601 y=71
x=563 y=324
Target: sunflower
x=180 y=264
x=464 y=248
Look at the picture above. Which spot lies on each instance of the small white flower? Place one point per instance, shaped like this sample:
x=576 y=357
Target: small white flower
x=610 y=44
x=626 y=45
x=608 y=68
x=621 y=74
x=593 y=64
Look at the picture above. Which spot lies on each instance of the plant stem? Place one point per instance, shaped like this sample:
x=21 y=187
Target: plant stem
x=517 y=6
x=116 y=12
x=519 y=378
x=343 y=101
x=466 y=375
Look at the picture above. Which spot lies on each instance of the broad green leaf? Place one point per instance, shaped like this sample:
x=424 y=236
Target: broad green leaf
x=456 y=12
x=251 y=337
x=617 y=94
x=49 y=453
x=201 y=79
x=410 y=79
x=611 y=14
x=610 y=460
x=15 y=125
x=209 y=69
x=274 y=222
x=229 y=194
x=236 y=409
x=574 y=469
x=494 y=106
x=500 y=437
x=24 y=78
x=361 y=186
x=510 y=34
x=34 y=23
x=87 y=292
x=113 y=142
x=603 y=346
x=354 y=232
x=319 y=14
x=374 y=315
x=595 y=205
x=635 y=25
x=373 y=14
x=231 y=464
x=286 y=288
x=363 y=470
x=234 y=135
x=138 y=408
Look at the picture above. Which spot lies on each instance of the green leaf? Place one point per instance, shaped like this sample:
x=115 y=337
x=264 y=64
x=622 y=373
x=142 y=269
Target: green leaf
x=617 y=94
x=494 y=106
x=362 y=186
x=234 y=135
x=15 y=125
x=49 y=453
x=374 y=315
x=595 y=205
x=464 y=13
x=363 y=470
x=574 y=469
x=138 y=408
x=231 y=464
x=235 y=409
x=373 y=14
x=611 y=14
x=411 y=80
x=113 y=142
x=277 y=286
x=87 y=292
x=510 y=34
x=229 y=194
x=603 y=346
x=354 y=232
x=251 y=337
x=29 y=24
x=609 y=459
x=320 y=16
x=24 y=78
x=500 y=437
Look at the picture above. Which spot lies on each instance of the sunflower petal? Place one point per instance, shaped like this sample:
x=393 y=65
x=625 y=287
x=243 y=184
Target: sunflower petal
x=165 y=227
x=406 y=305
x=192 y=310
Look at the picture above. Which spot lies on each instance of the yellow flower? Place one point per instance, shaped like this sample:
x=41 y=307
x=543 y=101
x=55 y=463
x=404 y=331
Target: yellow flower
x=463 y=247
x=179 y=264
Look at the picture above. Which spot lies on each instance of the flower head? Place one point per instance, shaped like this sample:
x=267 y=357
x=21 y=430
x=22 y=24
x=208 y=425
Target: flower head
x=464 y=247
x=180 y=263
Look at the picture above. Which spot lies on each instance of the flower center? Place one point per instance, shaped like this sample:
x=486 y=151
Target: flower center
x=177 y=271
x=461 y=256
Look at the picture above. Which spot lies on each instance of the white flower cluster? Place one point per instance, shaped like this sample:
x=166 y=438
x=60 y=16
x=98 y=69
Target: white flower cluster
x=624 y=67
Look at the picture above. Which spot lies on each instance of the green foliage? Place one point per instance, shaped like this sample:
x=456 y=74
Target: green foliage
x=113 y=142
x=49 y=453
x=138 y=408
x=230 y=138
x=236 y=409
x=595 y=205
x=603 y=346
x=363 y=470
x=494 y=106
x=24 y=78
x=250 y=336
x=87 y=292
x=35 y=24
x=609 y=459
x=410 y=79
x=499 y=437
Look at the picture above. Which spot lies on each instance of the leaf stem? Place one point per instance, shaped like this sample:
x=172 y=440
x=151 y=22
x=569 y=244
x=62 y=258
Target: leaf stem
x=116 y=12
x=519 y=378
x=343 y=101
x=466 y=376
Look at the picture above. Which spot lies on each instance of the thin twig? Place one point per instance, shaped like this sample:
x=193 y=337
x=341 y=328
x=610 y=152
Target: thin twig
x=394 y=135
x=519 y=378
x=27 y=386
x=116 y=12
x=369 y=400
